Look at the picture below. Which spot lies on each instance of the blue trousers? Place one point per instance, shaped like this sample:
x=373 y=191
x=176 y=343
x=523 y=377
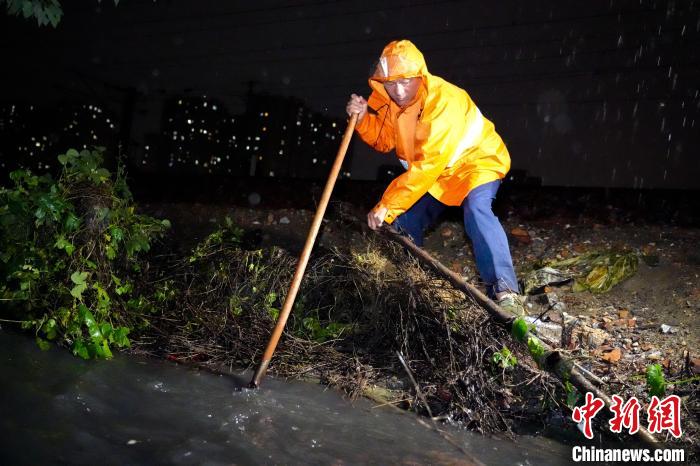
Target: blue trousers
x=491 y=251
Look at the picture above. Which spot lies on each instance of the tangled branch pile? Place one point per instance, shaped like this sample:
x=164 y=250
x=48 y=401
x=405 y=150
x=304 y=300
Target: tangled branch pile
x=354 y=311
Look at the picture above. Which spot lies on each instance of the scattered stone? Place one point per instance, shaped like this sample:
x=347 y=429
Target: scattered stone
x=521 y=235
x=623 y=313
x=654 y=356
x=695 y=365
x=612 y=356
x=589 y=336
x=668 y=329
x=284 y=221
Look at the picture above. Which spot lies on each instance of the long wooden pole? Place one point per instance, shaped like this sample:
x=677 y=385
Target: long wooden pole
x=305 y=253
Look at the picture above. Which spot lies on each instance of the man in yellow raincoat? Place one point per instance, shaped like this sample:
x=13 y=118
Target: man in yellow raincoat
x=452 y=155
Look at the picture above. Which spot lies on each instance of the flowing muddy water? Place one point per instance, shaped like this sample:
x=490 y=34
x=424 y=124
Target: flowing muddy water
x=57 y=409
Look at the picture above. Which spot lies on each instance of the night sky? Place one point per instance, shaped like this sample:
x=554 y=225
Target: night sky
x=598 y=93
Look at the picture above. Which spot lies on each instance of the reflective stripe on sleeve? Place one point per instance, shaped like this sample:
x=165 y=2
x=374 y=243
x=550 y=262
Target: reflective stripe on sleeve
x=470 y=138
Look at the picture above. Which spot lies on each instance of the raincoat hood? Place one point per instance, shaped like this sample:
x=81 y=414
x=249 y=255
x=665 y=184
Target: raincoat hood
x=399 y=59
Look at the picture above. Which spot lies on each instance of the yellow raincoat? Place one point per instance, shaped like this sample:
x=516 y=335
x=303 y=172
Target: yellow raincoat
x=447 y=145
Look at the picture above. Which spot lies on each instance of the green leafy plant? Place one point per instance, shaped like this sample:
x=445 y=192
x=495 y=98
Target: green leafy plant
x=572 y=394
x=519 y=329
x=268 y=302
x=504 y=359
x=536 y=349
x=315 y=330
x=227 y=235
x=656 y=382
x=70 y=253
x=44 y=11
